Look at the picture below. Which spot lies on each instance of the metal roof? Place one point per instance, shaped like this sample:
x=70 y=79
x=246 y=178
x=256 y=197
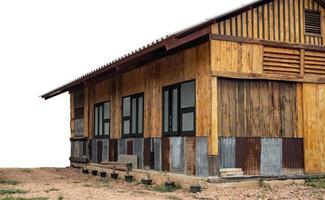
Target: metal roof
x=164 y=44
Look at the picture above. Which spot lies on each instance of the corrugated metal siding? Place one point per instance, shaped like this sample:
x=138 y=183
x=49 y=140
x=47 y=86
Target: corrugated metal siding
x=248 y=155
x=165 y=154
x=129 y=147
x=157 y=154
x=177 y=154
x=213 y=165
x=271 y=156
x=79 y=127
x=113 y=143
x=105 y=150
x=190 y=155
x=147 y=152
x=202 y=156
x=122 y=146
x=227 y=155
x=293 y=153
x=99 y=151
x=138 y=150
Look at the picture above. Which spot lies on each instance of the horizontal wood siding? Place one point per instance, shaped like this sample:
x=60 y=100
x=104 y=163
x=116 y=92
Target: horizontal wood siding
x=278 y=20
x=255 y=108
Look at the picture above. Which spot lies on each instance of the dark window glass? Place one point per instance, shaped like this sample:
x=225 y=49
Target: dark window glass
x=132 y=119
x=179 y=109
x=102 y=119
x=312 y=22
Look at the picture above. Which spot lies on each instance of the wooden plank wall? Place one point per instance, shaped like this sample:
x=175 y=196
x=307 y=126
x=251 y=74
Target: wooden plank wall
x=314 y=127
x=236 y=57
x=190 y=64
x=278 y=20
x=72 y=114
x=257 y=108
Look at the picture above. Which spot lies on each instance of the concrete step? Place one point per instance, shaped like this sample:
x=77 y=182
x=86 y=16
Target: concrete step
x=237 y=174
x=225 y=170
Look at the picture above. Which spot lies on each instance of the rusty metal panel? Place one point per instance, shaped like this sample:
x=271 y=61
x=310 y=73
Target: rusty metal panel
x=293 y=153
x=157 y=153
x=122 y=146
x=248 y=155
x=129 y=147
x=190 y=155
x=113 y=143
x=177 y=154
x=99 y=151
x=202 y=156
x=213 y=168
x=72 y=149
x=138 y=150
x=227 y=147
x=105 y=150
x=165 y=154
x=147 y=153
x=271 y=156
x=94 y=151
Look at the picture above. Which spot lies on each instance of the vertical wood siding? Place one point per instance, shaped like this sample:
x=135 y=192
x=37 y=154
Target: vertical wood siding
x=314 y=127
x=190 y=64
x=248 y=155
x=256 y=108
x=278 y=20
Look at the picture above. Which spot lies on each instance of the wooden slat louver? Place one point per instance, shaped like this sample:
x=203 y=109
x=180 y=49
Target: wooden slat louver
x=281 y=60
x=314 y=63
x=312 y=22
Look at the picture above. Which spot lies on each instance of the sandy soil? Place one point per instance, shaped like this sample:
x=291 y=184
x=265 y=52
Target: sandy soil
x=70 y=183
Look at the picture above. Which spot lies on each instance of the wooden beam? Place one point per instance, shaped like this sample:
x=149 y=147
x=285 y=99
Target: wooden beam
x=277 y=77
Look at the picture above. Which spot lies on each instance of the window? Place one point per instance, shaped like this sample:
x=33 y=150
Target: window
x=132 y=118
x=179 y=109
x=312 y=22
x=78 y=99
x=102 y=119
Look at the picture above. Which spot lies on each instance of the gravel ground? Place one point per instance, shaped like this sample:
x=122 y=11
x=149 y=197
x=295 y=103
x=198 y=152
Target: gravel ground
x=70 y=183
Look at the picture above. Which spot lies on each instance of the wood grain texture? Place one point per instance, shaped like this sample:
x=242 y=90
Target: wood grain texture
x=278 y=20
x=314 y=128
x=255 y=108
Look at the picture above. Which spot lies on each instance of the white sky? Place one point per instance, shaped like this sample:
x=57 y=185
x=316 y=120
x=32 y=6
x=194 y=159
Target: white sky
x=44 y=44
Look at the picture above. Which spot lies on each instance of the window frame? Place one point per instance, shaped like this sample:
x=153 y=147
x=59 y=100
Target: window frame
x=129 y=118
x=180 y=111
x=320 y=24
x=108 y=120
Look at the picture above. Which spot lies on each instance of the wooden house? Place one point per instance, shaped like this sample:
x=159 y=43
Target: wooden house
x=242 y=90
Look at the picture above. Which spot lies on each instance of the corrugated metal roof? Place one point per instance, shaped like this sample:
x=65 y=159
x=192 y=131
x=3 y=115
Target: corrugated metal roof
x=159 y=43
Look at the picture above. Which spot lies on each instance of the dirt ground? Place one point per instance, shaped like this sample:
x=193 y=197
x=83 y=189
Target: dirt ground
x=70 y=183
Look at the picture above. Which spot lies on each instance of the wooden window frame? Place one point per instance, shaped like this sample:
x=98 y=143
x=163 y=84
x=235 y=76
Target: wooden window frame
x=320 y=24
x=108 y=120
x=180 y=111
x=129 y=118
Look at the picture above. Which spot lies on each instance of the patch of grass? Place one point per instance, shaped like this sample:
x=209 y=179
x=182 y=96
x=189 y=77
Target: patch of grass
x=51 y=190
x=21 y=198
x=104 y=182
x=163 y=188
x=316 y=182
x=87 y=185
x=60 y=197
x=12 y=191
x=8 y=182
x=26 y=170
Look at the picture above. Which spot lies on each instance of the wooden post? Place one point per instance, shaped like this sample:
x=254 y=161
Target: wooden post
x=213 y=133
x=302 y=62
